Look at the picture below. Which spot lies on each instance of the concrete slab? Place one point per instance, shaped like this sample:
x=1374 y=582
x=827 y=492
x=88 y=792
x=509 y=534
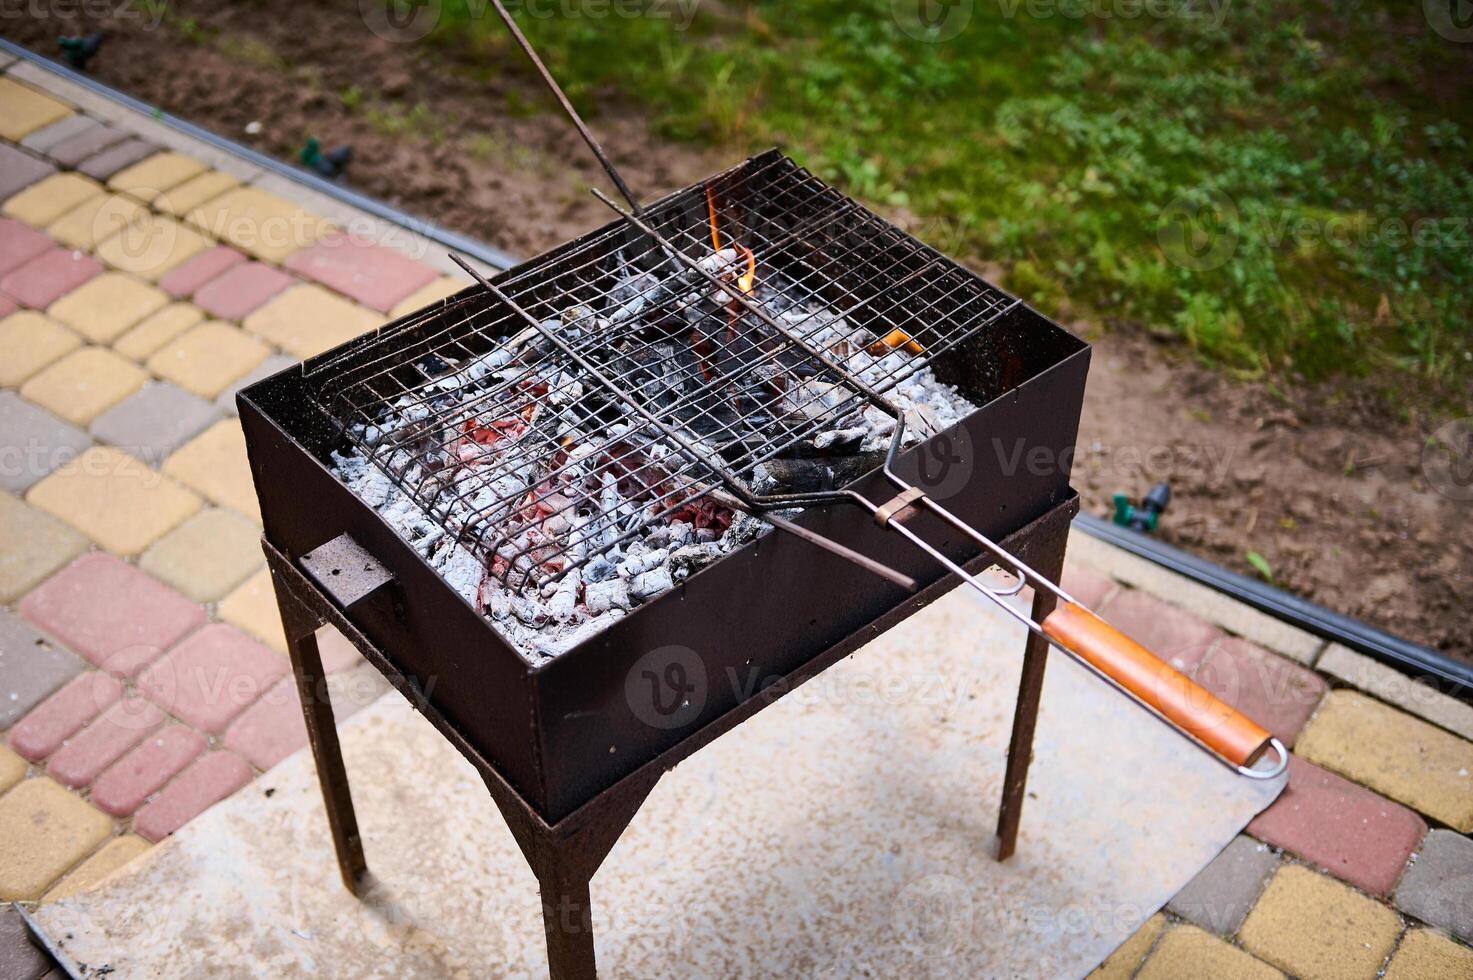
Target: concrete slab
x=845 y=830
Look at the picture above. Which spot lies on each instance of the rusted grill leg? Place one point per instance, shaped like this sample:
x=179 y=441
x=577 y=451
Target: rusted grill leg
x=322 y=734
x=567 y=917
x=1025 y=714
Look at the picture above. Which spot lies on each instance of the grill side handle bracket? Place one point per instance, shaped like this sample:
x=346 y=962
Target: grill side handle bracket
x=350 y=576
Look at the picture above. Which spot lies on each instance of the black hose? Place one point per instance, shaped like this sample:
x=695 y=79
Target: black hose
x=1450 y=676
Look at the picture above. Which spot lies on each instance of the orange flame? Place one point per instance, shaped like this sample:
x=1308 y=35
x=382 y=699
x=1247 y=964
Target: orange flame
x=744 y=282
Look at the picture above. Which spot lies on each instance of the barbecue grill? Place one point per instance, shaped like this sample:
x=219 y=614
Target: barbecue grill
x=728 y=366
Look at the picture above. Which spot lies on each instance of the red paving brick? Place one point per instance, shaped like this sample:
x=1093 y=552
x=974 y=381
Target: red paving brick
x=143 y=771
x=184 y=279
x=375 y=276
x=87 y=753
x=212 y=676
x=19 y=243
x=49 y=276
x=206 y=782
x=271 y=729
x=56 y=719
x=1170 y=633
x=1340 y=826
x=1087 y=586
x=111 y=613
x=241 y=290
x=1278 y=694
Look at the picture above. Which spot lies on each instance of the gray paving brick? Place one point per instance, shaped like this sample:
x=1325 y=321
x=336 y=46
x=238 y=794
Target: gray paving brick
x=156 y=420
x=268 y=367
x=103 y=165
x=31 y=667
x=33 y=442
x=19 y=170
x=1438 y=887
x=1219 y=898
x=89 y=142
x=44 y=139
x=20 y=958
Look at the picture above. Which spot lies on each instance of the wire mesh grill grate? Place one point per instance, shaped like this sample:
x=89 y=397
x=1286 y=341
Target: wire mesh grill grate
x=507 y=444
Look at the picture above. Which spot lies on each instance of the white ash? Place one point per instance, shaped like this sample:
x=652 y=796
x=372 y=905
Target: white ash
x=612 y=578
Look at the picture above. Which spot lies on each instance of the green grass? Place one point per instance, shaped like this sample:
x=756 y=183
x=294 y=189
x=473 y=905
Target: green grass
x=1284 y=190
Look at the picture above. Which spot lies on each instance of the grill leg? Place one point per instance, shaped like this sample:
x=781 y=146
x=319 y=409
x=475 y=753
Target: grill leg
x=567 y=918
x=323 y=736
x=1025 y=714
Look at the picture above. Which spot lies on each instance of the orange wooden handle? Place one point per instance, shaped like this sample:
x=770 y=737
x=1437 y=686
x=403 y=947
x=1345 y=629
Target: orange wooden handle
x=1218 y=725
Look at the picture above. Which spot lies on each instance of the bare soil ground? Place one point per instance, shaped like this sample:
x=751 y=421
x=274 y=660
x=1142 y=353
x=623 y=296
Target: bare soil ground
x=1325 y=482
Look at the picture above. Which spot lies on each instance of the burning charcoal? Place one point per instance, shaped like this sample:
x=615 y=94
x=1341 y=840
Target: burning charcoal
x=679 y=534
x=692 y=558
x=630 y=298
x=637 y=564
x=744 y=528
x=600 y=597
x=845 y=442
x=600 y=570
x=564 y=601
x=529 y=611
x=705 y=535
x=651 y=583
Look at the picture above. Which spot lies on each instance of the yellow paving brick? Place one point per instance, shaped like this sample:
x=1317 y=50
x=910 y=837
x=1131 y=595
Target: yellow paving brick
x=148 y=178
x=156 y=330
x=207 y=555
x=12 y=768
x=114 y=499
x=259 y=222
x=102 y=308
x=194 y=192
x=28 y=342
x=96 y=219
x=152 y=246
x=1121 y=964
x=425 y=295
x=1314 y=927
x=1427 y=955
x=23 y=110
x=1187 y=951
x=1392 y=752
x=44 y=830
x=50 y=198
x=307 y=320
x=84 y=384
x=32 y=546
x=214 y=463
x=109 y=858
x=207 y=358
x=252 y=607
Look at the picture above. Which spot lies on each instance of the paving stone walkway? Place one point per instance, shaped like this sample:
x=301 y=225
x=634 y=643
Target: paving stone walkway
x=144 y=277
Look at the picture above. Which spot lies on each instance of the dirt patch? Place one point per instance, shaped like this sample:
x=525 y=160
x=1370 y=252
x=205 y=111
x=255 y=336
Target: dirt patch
x=1325 y=482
